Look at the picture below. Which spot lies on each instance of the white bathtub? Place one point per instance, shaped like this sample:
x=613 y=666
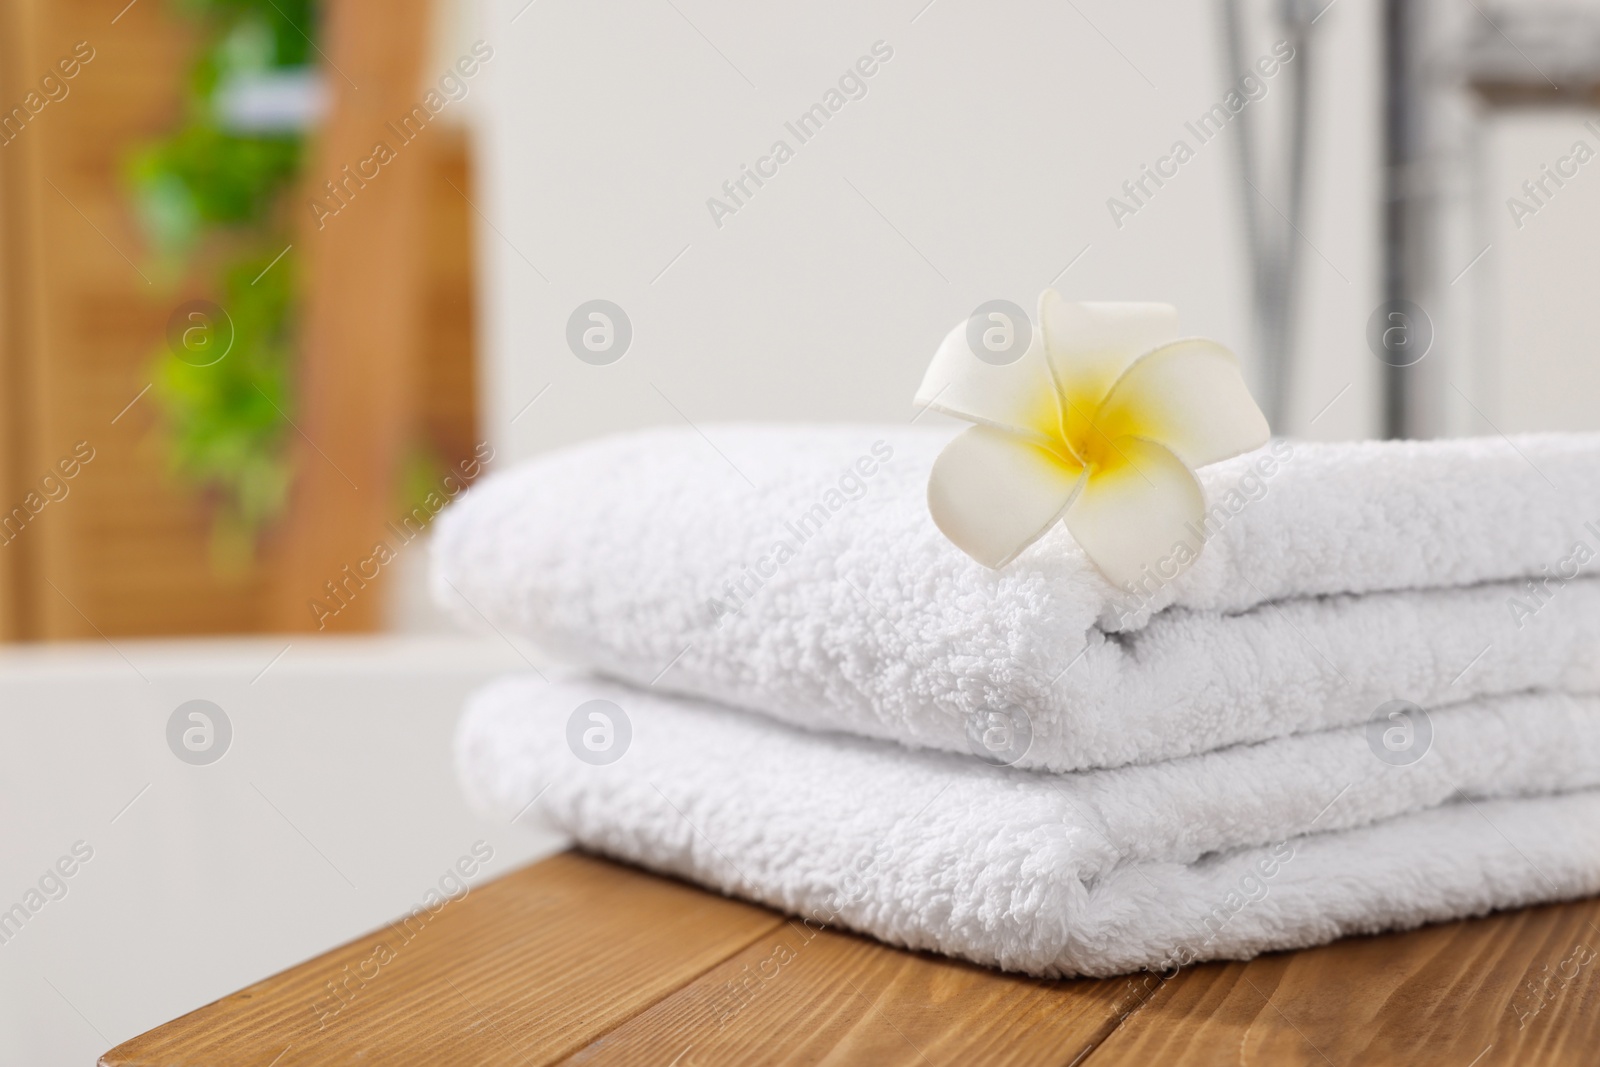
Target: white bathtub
x=333 y=809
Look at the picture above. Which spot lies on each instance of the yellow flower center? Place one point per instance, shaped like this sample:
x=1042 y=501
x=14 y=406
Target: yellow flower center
x=1080 y=432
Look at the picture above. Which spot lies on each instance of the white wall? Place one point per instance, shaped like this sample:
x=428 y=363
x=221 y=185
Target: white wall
x=1536 y=367
x=978 y=166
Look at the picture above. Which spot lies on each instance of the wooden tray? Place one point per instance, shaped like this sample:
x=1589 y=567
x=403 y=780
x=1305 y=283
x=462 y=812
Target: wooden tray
x=579 y=960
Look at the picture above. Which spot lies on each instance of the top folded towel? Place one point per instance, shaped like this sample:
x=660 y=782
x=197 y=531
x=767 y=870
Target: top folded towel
x=795 y=570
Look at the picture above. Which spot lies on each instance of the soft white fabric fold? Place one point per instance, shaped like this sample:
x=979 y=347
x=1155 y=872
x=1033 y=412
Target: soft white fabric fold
x=1283 y=844
x=795 y=571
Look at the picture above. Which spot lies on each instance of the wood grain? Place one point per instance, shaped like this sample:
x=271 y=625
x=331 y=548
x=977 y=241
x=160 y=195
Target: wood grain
x=583 y=962
x=525 y=970
x=803 y=995
x=1514 y=988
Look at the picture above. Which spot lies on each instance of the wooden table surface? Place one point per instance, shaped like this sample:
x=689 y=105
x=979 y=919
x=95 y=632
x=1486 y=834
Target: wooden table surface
x=576 y=960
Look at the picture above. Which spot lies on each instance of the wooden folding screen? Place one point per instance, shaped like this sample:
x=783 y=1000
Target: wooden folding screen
x=122 y=548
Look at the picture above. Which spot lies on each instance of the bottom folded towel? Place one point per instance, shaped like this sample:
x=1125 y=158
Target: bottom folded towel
x=1285 y=844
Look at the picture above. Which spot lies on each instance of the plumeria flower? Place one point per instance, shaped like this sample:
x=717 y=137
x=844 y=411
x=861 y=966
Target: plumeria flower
x=1101 y=422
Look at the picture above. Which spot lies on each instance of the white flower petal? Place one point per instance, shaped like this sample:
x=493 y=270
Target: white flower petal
x=1090 y=345
x=1136 y=513
x=1191 y=397
x=993 y=493
x=1019 y=396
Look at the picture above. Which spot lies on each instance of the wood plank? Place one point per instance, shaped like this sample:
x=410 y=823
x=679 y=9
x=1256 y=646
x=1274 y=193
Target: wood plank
x=525 y=969
x=363 y=314
x=18 y=300
x=800 y=995
x=81 y=328
x=1516 y=987
x=90 y=260
x=579 y=961
x=447 y=393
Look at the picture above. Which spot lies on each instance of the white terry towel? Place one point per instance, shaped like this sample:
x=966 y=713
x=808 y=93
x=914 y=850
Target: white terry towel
x=1227 y=854
x=795 y=571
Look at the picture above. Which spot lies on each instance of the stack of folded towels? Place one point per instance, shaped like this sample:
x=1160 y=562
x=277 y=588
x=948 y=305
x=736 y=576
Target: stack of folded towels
x=1372 y=702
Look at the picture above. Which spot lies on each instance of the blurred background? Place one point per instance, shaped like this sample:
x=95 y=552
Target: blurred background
x=280 y=278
